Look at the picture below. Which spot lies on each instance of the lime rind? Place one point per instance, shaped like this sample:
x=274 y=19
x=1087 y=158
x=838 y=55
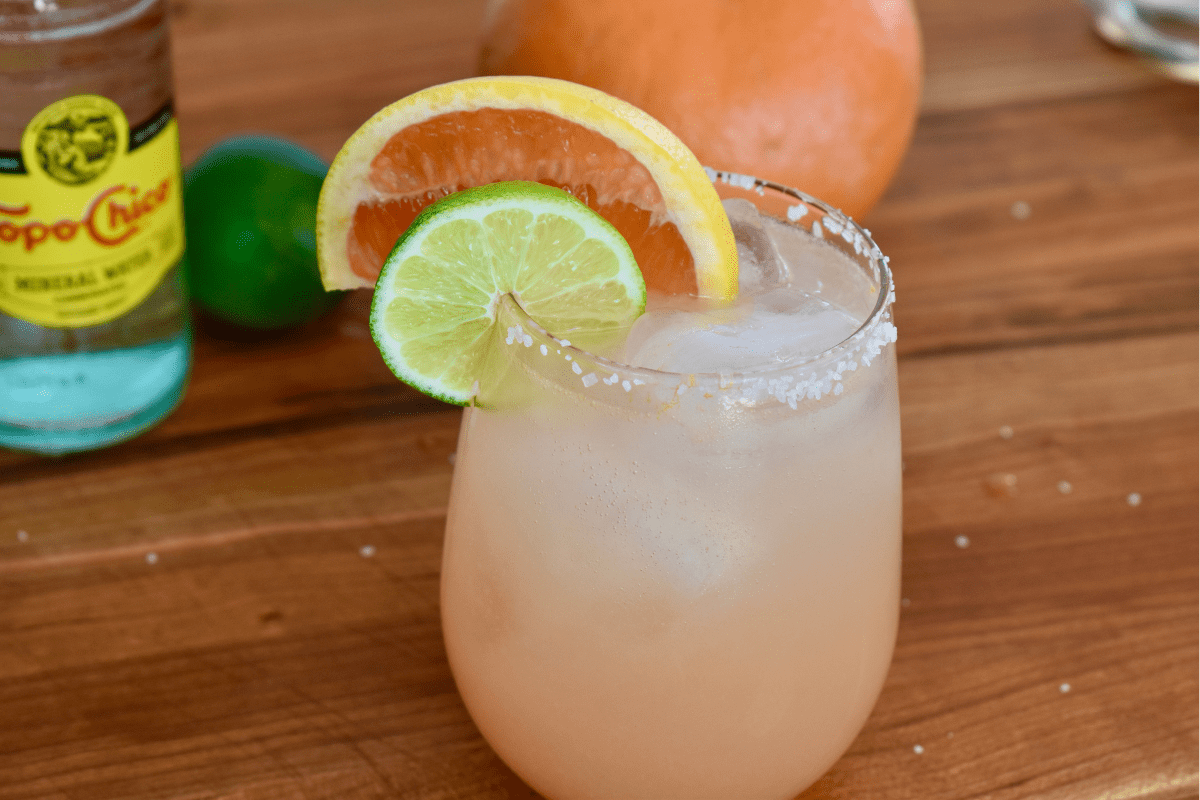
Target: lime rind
x=433 y=315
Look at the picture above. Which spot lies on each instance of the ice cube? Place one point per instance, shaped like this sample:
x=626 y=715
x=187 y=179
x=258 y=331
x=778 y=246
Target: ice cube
x=781 y=325
x=759 y=263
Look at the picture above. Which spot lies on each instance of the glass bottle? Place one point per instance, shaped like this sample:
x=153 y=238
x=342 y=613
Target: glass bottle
x=95 y=338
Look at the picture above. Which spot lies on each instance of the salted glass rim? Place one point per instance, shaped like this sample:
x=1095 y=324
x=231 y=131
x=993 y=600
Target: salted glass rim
x=850 y=231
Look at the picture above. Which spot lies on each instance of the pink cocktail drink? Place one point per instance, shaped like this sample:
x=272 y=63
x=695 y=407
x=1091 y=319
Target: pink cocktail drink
x=673 y=572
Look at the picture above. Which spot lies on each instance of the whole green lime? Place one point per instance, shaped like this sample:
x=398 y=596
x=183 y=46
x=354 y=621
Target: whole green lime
x=250 y=206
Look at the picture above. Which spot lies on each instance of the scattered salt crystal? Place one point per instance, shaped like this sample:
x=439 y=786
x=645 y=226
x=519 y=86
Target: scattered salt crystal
x=1020 y=210
x=22 y=536
x=1065 y=487
x=564 y=342
x=1006 y=432
x=1001 y=484
x=918 y=749
x=962 y=542
x=545 y=350
x=626 y=385
x=817 y=230
x=151 y=558
x=1134 y=499
x=367 y=550
x=796 y=212
x=590 y=379
x=1064 y=688
x=578 y=370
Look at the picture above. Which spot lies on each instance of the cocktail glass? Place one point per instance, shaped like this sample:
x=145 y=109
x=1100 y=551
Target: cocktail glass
x=665 y=585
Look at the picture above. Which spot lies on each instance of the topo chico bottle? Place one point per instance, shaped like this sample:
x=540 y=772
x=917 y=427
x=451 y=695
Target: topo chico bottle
x=95 y=339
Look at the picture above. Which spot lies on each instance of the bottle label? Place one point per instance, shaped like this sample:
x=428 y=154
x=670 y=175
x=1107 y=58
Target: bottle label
x=91 y=213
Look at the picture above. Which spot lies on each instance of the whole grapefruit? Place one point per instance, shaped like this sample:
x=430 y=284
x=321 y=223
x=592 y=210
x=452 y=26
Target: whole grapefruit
x=821 y=95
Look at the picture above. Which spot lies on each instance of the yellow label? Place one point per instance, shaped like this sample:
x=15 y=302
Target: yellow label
x=94 y=219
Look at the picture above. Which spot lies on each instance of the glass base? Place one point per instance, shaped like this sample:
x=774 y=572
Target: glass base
x=69 y=402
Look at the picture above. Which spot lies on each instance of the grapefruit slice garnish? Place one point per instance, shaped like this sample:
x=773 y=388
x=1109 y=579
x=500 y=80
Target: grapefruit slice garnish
x=615 y=158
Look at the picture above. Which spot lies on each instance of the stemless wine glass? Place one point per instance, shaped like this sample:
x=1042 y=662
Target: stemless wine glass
x=682 y=585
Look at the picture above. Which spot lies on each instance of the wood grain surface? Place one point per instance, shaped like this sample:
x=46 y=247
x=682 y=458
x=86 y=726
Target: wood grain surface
x=242 y=603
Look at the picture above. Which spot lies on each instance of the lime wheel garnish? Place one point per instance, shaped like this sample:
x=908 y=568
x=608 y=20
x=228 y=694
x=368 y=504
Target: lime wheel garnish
x=433 y=315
